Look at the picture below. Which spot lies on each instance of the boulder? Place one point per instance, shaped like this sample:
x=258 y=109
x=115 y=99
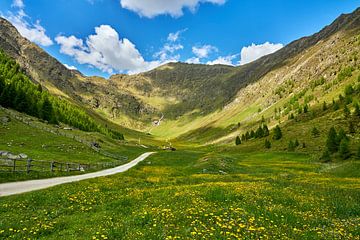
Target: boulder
x=23 y=155
x=13 y=157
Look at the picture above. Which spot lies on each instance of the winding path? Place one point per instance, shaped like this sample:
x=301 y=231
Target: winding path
x=7 y=189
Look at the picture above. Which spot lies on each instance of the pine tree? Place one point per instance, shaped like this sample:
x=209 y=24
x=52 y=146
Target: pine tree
x=331 y=142
x=326 y=157
x=266 y=130
x=237 y=141
x=252 y=134
x=243 y=138
x=277 y=133
x=259 y=133
x=291 y=146
x=296 y=143
x=344 y=150
x=267 y=144
x=340 y=136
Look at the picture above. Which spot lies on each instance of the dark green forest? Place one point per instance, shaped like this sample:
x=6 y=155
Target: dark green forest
x=19 y=93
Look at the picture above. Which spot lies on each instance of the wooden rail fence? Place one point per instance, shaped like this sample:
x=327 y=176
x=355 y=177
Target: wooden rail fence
x=30 y=165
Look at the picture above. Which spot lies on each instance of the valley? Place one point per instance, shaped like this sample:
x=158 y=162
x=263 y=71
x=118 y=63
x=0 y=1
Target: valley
x=264 y=150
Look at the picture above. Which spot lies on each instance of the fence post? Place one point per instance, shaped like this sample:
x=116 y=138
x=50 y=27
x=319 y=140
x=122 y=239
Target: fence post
x=14 y=165
x=28 y=165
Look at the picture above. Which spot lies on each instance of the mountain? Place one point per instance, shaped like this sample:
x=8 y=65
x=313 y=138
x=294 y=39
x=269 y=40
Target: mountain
x=195 y=98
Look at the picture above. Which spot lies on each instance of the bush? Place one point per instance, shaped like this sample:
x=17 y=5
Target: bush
x=358 y=153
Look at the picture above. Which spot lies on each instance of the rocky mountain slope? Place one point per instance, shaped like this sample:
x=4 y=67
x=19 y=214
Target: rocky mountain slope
x=193 y=96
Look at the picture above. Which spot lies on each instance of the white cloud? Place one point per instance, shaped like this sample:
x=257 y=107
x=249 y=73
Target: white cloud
x=167 y=52
x=224 y=60
x=32 y=31
x=18 y=3
x=193 y=60
x=203 y=51
x=173 y=37
x=70 y=67
x=174 y=8
x=253 y=52
x=106 y=51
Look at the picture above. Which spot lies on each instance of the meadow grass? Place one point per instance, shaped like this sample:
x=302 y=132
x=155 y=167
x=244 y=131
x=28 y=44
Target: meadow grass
x=219 y=193
x=39 y=144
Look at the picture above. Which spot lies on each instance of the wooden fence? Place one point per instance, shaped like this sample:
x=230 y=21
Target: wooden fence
x=30 y=165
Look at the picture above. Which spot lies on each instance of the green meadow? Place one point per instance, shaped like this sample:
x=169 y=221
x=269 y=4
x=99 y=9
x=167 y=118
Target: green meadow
x=219 y=193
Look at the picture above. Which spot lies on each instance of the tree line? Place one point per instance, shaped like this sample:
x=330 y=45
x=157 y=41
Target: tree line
x=19 y=93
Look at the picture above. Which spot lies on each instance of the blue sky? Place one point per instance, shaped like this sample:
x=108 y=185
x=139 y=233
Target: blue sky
x=102 y=37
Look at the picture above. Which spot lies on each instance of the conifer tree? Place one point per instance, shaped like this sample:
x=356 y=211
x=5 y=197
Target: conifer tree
x=331 y=142
x=344 y=150
x=277 y=133
x=237 y=141
x=266 y=130
x=267 y=144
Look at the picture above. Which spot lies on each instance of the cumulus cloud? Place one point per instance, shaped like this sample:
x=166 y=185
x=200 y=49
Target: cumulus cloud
x=174 y=8
x=106 y=51
x=224 y=60
x=203 y=51
x=32 y=31
x=70 y=67
x=253 y=52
